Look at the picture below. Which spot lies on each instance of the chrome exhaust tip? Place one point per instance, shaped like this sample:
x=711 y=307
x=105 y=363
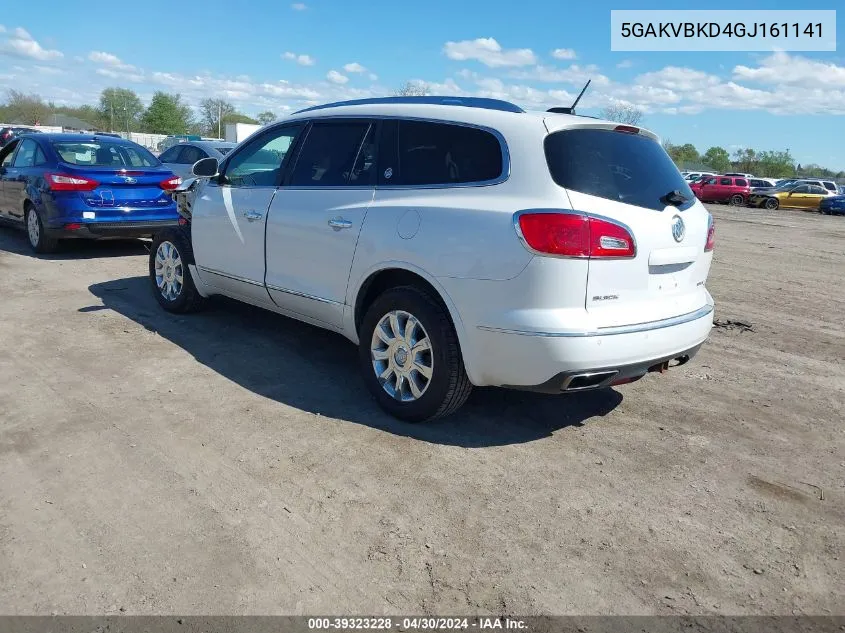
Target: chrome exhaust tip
x=588 y=380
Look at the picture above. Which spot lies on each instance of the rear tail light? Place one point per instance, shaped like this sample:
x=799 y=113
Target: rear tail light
x=628 y=129
x=66 y=182
x=567 y=234
x=73 y=227
x=171 y=183
x=711 y=234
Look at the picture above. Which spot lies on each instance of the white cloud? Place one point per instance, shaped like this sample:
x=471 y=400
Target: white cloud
x=574 y=74
x=625 y=63
x=354 y=67
x=107 y=59
x=122 y=74
x=784 y=69
x=21 y=44
x=336 y=78
x=563 y=53
x=298 y=6
x=302 y=60
x=489 y=52
x=373 y=77
x=2 y=29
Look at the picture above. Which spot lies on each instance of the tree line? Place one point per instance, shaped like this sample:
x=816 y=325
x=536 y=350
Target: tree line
x=122 y=110
x=765 y=163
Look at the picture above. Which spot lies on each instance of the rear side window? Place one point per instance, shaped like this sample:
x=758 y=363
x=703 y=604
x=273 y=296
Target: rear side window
x=191 y=154
x=329 y=155
x=829 y=186
x=741 y=182
x=170 y=155
x=817 y=189
x=446 y=154
x=627 y=168
x=96 y=154
x=26 y=154
x=725 y=181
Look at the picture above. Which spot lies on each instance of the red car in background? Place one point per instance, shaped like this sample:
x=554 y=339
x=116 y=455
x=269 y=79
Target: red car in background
x=732 y=189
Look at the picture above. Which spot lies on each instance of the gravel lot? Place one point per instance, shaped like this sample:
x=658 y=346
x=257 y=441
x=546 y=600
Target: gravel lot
x=231 y=462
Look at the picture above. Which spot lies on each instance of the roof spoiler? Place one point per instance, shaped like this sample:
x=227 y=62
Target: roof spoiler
x=571 y=109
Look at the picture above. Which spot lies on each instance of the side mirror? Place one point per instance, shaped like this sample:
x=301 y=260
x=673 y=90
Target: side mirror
x=206 y=168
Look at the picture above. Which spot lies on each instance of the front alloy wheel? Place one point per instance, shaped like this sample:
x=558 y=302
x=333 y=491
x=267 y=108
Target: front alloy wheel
x=169 y=271
x=401 y=355
x=771 y=203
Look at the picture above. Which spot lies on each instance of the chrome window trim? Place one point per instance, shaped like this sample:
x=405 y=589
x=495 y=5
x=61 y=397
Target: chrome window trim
x=303 y=295
x=503 y=146
x=613 y=330
x=587 y=214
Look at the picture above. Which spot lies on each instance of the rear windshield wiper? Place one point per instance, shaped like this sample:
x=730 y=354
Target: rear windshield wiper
x=675 y=198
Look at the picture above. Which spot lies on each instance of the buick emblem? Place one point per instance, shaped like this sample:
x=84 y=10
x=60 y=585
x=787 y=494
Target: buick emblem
x=129 y=180
x=678 y=228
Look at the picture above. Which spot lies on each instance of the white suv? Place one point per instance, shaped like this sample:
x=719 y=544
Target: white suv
x=457 y=242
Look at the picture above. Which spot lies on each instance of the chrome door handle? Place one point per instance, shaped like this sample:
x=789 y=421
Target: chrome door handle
x=339 y=223
x=252 y=216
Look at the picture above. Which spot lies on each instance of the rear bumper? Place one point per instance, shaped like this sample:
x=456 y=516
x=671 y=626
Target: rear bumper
x=128 y=228
x=544 y=361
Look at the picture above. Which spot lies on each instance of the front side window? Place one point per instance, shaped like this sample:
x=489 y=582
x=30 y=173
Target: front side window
x=329 y=156
x=259 y=164
x=802 y=189
x=26 y=154
x=628 y=168
x=446 y=154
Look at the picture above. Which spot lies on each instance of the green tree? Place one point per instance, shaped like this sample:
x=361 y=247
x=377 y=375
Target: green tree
x=412 y=89
x=775 y=164
x=681 y=154
x=266 y=117
x=213 y=113
x=166 y=114
x=745 y=160
x=718 y=159
x=28 y=109
x=120 y=109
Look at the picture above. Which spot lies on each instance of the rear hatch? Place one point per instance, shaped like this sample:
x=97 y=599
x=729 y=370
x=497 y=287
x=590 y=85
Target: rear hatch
x=623 y=174
x=127 y=177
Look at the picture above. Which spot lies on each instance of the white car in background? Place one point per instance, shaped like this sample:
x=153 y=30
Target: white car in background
x=457 y=242
x=179 y=158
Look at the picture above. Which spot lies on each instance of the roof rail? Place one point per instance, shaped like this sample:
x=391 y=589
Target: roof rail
x=469 y=102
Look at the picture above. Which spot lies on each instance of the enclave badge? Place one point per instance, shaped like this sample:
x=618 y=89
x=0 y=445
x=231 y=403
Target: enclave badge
x=678 y=228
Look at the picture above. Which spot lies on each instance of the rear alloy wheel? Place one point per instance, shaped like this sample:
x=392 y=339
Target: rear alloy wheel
x=737 y=200
x=771 y=203
x=173 y=285
x=39 y=240
x=410 y=356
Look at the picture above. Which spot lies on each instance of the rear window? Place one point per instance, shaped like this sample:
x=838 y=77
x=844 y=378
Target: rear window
x=445 y=154
x=617 y=166
x=95 y=154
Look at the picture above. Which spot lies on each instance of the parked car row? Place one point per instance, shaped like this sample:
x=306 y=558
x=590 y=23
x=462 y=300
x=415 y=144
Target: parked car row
x=789 y=193
x=455 y=241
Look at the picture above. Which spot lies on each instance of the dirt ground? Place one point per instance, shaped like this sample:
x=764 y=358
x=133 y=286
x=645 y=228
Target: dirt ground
x=231 y=462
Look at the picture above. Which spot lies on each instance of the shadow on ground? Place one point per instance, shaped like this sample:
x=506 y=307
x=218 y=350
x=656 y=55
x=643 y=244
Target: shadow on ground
x=14 y=240
x=317 y=371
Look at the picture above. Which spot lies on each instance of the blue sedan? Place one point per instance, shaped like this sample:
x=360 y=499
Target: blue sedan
x=59 y=186
x=833 y=205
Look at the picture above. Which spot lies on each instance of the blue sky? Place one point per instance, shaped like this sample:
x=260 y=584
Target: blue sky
x=283 y=55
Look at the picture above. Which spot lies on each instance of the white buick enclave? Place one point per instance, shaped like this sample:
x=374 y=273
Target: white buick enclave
x=457 y=242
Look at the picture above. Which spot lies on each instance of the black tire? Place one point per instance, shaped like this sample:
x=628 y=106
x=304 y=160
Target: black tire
x=188 y=299
x=771 y=203
x=449 y=387
x=737 y=200
x=45 y=243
